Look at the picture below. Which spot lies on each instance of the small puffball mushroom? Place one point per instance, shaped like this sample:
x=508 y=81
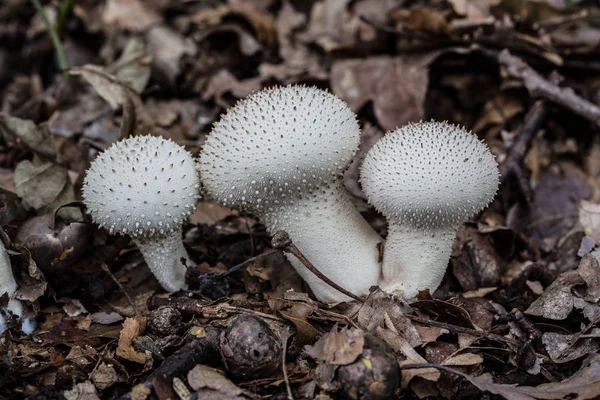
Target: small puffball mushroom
x=426 y=179
x=146 y=186
x=279 y=155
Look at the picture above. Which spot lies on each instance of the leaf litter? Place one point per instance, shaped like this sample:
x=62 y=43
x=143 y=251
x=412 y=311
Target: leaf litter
x=517 y=314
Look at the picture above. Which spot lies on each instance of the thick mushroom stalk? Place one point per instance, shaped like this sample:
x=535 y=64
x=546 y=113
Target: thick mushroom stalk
x=146 y=187
x=279 y=154
x=426 y=179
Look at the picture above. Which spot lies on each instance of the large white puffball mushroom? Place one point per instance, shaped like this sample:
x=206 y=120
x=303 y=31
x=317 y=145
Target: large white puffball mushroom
x=279 y=155
x=145 y=187
x=426 y=178
x=8 y=285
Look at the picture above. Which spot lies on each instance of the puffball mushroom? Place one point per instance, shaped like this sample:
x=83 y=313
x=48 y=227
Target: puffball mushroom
x=146 y=186
x=8 y=285
x=426 y=178
x=279 y=155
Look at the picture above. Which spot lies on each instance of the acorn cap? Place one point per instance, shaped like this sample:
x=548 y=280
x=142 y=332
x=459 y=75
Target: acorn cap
x=429 y=174
x=144 y=186
x=277 y=145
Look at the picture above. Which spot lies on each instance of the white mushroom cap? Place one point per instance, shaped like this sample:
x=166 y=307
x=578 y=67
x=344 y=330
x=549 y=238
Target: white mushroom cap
x=146 y=186
x=276 y=145
x=279 y=154
x=426 y=178
x=429 y=174
x=142 y=186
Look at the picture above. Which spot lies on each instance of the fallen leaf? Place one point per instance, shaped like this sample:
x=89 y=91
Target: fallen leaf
x=564 y=348
x=46 y=186
x=585 y=384
x=133 y=66
x=82 y=391
x=337 y=348
x=589 y=270
x=132 y=328
x=132 y=15
x=589 y=217
x=207 y=378
x=104 y=376
x=135 y=119
x=36 y=138
x=396 y=86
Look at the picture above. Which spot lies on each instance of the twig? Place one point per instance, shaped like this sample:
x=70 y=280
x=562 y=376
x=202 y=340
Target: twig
x=285 y=334
x=58 y=47
x=460 y=329
x=513 y=165
x=538 y=86
x=282 y=241
x=198 y=351
x=114 y=278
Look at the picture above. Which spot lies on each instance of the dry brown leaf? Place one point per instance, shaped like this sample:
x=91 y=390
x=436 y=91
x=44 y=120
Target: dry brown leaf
x=132 y=328
x=207 y=378
x=135 y=119
x=589 y=217
x=338 y=348
x=564 y=348
x=132 y=15
x=464 y=359
x=396 y=86
x=589 y=270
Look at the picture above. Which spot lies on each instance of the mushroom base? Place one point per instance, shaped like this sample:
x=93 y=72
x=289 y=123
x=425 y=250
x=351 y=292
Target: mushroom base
x=165 y=256
x=415 y=258
x=332 y=234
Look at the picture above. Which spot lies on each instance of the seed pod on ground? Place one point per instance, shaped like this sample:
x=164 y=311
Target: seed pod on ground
x=375 y=375
x=249 y=348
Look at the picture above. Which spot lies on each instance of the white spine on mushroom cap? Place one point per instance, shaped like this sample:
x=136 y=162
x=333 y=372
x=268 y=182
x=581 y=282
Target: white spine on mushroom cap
x=426 y=178
x=145 y=187
x=279 y=155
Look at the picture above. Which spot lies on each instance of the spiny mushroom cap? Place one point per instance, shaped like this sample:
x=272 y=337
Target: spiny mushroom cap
x=429 y=174
x=143 y=186
x=277 y=145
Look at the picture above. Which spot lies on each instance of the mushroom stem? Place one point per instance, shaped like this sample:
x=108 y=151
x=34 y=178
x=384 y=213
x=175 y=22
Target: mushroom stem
x=419 y=253
x=164 y=255
x=332 y=234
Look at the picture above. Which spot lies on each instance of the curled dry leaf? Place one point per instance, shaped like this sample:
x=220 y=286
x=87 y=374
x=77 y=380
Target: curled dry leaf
x=135 y=119
x=132 y=328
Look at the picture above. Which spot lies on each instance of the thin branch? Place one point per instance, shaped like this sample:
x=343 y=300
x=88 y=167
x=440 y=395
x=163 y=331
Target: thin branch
x=282 y=241
x=285 y=334
x=538 y=86
x=513 y=165
x=460 y=329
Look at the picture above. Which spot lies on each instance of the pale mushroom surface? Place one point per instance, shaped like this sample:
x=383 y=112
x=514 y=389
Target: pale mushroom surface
x=426 y=178
x=146 y=186
x=8 y=285
x=279 y=154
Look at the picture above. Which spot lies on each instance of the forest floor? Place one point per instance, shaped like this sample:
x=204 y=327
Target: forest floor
x=517 y=314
